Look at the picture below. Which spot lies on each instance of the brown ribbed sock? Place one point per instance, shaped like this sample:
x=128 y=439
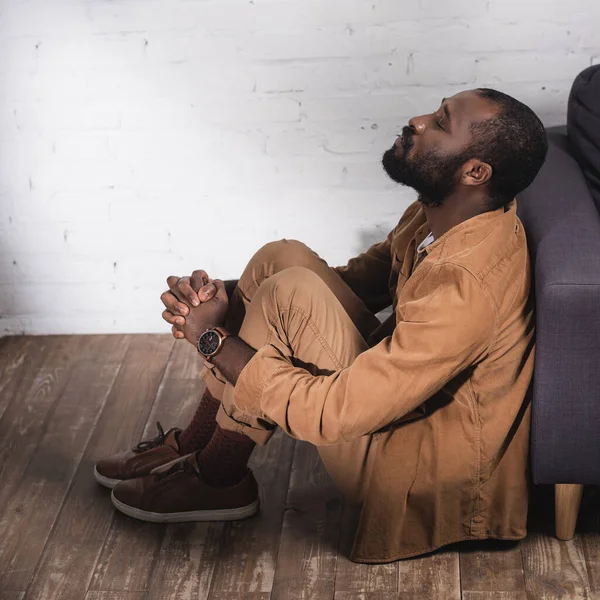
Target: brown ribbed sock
x=202 y=426
x=224 y=460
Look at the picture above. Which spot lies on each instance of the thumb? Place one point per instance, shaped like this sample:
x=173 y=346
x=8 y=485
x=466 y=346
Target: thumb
x=221 y=293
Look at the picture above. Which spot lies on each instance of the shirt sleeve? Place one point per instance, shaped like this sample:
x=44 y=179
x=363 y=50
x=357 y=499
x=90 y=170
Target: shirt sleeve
x=368 y=275
x=446 y=326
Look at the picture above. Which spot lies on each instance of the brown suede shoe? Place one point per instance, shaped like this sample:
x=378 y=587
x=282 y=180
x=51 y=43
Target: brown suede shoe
x=178 y=493
x=147 y=455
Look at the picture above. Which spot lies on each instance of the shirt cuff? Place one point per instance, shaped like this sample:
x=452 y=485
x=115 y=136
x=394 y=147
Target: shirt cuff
x=248 y=391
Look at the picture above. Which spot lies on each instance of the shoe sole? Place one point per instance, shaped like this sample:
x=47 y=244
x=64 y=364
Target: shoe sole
x=107 y=482
x=225 y=514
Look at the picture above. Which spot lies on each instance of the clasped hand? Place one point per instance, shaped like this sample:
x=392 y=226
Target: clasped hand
x=194 y=304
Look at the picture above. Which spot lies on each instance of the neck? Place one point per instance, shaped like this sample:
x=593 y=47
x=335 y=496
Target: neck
x=450 y=214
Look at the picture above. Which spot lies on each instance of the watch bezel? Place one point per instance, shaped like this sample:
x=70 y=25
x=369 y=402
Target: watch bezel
x=202 y=340
x=222 y=335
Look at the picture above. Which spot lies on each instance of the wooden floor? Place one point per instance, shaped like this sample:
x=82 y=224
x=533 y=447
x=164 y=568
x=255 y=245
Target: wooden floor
x=66 y=401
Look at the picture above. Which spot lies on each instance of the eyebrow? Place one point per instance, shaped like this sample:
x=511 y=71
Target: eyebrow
x=446 y=109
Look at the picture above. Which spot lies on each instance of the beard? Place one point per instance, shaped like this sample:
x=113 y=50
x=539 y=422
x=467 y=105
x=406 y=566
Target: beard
x=431 y=174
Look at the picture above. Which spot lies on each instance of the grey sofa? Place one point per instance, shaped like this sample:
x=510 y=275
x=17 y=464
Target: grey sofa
x=561 y=215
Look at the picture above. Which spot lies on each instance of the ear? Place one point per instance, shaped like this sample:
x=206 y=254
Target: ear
x=476 y=172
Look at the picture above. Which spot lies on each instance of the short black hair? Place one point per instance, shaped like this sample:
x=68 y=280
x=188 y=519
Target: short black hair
x=513 y=143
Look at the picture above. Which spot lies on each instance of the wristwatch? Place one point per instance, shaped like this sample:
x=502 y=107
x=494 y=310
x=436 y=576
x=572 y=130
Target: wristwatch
x=211 y=342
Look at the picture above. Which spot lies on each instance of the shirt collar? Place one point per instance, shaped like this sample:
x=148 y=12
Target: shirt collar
x=428 y=240
x=473 y=226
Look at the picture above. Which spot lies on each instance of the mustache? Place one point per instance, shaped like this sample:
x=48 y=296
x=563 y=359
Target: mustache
x=407 y=136
x=407 y=133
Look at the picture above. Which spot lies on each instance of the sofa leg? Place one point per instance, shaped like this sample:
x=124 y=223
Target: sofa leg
x=567 y=498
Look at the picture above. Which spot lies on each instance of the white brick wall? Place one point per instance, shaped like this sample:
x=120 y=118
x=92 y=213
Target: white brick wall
x=142 y=138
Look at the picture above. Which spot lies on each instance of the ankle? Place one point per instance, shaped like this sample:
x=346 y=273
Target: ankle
x=224 y=461
x=202 y=426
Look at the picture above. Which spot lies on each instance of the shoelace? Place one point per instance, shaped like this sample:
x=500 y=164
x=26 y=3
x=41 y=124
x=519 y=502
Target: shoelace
x=159 y=440
x=179 y=464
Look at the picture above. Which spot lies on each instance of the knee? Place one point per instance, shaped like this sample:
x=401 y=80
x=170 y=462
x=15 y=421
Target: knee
x=283 y=254
x=294 y=284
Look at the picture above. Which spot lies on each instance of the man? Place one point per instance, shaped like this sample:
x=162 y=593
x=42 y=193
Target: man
x=424 y=420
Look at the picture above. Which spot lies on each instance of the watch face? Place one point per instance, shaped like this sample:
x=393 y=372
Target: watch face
x=208 y=342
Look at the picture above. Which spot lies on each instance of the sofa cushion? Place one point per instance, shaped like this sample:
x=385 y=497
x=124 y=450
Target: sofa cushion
x=583 y=126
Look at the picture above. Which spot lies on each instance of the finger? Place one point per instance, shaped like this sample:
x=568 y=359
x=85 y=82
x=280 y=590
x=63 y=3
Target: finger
x=172 y=319
x=206 y=292
x=174 y=283
x=221 y=292
x=198 y=279
x=172 y=304
x=178 y=335
x=185 y=290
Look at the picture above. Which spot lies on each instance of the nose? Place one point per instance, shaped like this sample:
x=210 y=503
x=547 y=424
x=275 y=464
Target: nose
x=417 y=124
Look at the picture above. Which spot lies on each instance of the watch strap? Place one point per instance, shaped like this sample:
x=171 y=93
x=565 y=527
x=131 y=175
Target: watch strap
x=222 y=332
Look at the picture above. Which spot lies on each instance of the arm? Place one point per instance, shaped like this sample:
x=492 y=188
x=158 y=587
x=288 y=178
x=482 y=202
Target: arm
x=230 y=285
x=368 y=275
x=384 y=330
x=232 y=359
x=439 y=334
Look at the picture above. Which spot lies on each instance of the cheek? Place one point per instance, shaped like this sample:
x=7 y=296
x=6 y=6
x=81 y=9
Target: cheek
x=434 y=144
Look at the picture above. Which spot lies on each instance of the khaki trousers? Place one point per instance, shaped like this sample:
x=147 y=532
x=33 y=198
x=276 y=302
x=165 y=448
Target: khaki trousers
x=289 y=297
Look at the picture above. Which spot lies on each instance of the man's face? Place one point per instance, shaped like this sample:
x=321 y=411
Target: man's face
x=432 y=149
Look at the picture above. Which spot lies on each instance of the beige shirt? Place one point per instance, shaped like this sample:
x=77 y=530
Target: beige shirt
x=444 y=394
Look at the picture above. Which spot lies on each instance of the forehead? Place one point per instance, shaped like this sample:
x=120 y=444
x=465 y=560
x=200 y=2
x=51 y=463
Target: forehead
x=469 y=107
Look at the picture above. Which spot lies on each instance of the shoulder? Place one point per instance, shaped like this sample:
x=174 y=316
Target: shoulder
x=499 y=264
x=447 y=285
x=450 y=299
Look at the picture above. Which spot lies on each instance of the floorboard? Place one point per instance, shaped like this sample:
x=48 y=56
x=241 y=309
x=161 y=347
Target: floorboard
x=116 y=596
x=495 y=595
x=243 y=596
x=247 y=554
x=47 y=477
x=185 y=560
x=70 y=557
x=179 y=392
x=491 y=567
x=307 y=559
x=137 y=540
x=435 y=575
x=19 y=356
x=551 y=568
x=382 y=595
x=65 y=401
x=28 y=410
x=588 y=531
x=354 y=580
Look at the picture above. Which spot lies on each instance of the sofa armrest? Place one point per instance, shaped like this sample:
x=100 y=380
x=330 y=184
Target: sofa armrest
x=565 y=240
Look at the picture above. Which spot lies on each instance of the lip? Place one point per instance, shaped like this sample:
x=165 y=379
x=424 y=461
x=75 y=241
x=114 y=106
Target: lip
x=399 y=141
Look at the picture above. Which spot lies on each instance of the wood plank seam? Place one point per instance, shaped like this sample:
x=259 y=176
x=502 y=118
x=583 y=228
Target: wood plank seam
x=110 y=529
x=70 y=486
